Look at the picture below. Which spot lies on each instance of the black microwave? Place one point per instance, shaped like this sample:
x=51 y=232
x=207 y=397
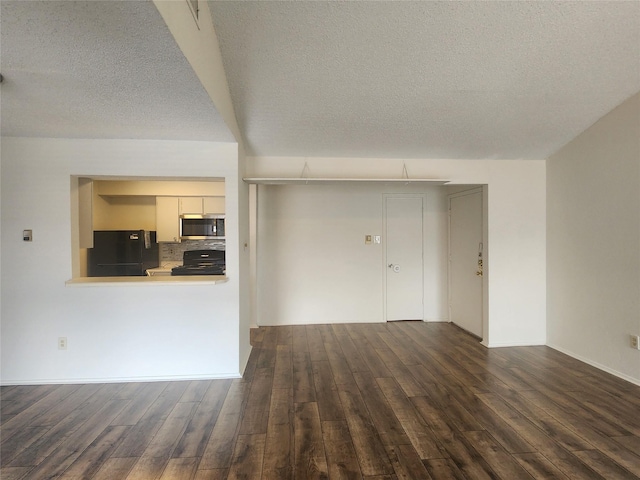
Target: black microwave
x=201 y=227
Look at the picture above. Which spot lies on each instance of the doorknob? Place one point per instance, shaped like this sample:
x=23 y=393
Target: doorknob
x=395 y=268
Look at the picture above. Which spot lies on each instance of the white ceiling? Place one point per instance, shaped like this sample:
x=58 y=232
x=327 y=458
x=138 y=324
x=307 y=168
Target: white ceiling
x=425 y=79
x=385 y=79
x=99 y=70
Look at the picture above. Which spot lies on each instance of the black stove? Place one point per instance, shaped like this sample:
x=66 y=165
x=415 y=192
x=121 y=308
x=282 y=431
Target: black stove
x=201 y=262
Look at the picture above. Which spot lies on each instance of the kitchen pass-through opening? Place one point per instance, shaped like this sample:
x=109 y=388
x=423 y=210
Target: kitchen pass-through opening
x=145 y=214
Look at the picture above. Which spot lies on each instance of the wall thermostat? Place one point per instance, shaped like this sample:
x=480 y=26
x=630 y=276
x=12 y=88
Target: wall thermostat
x=27 y=235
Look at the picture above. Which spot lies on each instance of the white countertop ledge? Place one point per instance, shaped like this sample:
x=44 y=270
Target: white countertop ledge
x=153 y=280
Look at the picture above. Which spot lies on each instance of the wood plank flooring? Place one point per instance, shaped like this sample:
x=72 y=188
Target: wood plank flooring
x=404 y=400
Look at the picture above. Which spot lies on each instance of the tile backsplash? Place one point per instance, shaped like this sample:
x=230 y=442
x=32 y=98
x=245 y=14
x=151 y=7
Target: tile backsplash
x=172 y=252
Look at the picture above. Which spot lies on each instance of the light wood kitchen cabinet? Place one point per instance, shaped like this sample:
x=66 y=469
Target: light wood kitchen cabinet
x=167 y=219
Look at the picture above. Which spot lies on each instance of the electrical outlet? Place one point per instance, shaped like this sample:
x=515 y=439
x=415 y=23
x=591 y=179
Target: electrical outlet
x=62 y=343
x=635 y=342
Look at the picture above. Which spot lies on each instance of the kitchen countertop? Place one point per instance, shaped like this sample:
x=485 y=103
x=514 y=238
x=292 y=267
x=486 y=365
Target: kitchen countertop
x=163 y=269
x=152 y=280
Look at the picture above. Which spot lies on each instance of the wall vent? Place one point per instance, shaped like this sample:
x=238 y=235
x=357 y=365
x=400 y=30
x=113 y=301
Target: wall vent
x=193 y=5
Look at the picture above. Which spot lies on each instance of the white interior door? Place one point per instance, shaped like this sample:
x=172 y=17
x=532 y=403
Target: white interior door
x=465 y=244
x=404 y=264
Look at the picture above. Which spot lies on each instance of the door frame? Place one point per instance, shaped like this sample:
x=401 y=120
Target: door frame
x=482 y=189
x=423 y=197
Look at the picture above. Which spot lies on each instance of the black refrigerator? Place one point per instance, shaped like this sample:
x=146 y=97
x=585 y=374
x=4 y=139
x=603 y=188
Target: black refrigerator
x=122 y=253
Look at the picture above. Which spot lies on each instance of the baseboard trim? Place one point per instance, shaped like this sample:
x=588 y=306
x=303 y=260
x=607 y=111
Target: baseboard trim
x=338 y=322
x=73 y=381
x=597 y=365
x=515 y=344
x=529 y=343
x=244 y=362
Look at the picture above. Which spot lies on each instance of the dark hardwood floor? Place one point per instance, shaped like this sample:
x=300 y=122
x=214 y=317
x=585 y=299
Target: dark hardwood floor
x=377 y=401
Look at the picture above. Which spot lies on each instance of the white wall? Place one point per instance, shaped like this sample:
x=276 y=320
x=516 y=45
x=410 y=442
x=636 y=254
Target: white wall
x=593 y=214
x=113 y=332
x=243 y=247
x=515 y=260
x=313 y=263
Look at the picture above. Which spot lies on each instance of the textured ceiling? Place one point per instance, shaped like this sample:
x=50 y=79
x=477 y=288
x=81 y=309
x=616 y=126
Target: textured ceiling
x=425 y=79
x=384 y=79
x=99 y=70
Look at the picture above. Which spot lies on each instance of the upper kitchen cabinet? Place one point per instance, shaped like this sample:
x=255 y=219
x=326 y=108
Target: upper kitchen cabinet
x=191 y=205
x=167 y=219
x=201 y=205
x=213 y=205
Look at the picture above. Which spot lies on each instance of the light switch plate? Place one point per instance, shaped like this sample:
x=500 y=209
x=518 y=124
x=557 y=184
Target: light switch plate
x=367 y=239
x=27 y=235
